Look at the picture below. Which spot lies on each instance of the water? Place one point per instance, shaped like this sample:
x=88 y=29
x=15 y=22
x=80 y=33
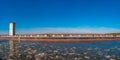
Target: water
x=62 y=51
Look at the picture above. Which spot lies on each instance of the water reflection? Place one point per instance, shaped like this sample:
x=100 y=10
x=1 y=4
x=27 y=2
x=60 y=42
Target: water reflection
x=61 y=51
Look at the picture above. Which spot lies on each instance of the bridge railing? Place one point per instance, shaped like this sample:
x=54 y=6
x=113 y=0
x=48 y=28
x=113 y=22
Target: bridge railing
x=63 y=35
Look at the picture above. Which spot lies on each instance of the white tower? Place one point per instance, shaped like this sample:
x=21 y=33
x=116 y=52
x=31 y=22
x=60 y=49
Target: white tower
x=11 y=29
x=12 y=33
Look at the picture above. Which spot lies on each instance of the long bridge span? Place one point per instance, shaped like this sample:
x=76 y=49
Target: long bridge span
x=62 y=37
x=57 y=37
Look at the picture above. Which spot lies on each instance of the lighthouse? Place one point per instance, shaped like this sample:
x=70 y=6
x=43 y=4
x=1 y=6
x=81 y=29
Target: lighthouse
x=12 y=29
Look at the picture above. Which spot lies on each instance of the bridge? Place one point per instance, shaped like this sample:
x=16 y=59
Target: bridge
x=57 y=37
x=54 y=38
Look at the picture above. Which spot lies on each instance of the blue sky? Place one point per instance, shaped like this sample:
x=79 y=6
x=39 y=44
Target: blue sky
x=60 y=15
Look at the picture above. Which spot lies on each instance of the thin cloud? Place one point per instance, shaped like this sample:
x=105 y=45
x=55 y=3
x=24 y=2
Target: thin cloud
x=4 y=32
x=68 y=30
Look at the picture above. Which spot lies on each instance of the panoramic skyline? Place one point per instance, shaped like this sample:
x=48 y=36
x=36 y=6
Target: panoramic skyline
x=63 y=16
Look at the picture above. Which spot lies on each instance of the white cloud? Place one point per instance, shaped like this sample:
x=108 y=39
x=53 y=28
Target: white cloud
x=64 y=30
x=68 y=30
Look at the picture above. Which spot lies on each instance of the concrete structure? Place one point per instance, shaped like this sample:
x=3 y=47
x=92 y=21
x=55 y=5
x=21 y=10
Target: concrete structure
x=11 y=29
